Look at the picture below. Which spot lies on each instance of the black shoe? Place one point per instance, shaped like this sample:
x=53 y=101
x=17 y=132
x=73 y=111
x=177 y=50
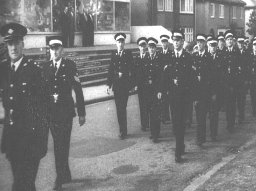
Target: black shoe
x=155 y=140
x=122 y=137
x=179 y=159
x=57 y=186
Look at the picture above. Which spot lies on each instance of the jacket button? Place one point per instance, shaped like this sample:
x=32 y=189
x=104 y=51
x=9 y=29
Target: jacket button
x=55 y=87
x=11 y=98
x=55 y=79
x=11 y=85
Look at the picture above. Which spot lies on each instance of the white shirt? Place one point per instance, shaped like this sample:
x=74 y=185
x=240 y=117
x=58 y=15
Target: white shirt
x=201 y=53
x=165 y=51
x=58 y=63
x=179 y=53
x=17 y=63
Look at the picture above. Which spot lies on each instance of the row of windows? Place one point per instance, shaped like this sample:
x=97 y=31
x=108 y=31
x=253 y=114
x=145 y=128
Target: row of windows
x=221 y=11
x=186 y=6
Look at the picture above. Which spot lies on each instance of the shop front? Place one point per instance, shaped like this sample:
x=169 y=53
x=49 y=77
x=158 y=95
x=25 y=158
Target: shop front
x=44 y=18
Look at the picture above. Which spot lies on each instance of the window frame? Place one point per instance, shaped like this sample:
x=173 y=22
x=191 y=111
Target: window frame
x=241 y=13
x=222 y=16
x=188 y=4
x=189 y=34
x=233 y=11
x=161 y=10
x=212 y=5
x=165 y=6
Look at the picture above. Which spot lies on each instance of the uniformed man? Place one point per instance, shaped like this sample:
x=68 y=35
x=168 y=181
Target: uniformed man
x=243 y=77
x=178 y=80
x=25 y=133
x=140 y=60
x=165 y=54
x=60 y=76
x=120 y=75
x=216 y=86
x=232 y=72
x=252 y=70
x=151 y=74
x=221 y=43
x=201 y=69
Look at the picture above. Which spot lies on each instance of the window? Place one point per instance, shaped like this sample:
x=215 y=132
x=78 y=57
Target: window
x=48 y=15
x=186 y=6
x=233 y=12
x=221 y=11
x=160 y=5
x=188 y=32
x=212 y=10
x=168 y=5
x=241 y=13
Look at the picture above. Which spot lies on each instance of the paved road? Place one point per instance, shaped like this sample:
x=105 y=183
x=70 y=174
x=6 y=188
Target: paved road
x=101 y=162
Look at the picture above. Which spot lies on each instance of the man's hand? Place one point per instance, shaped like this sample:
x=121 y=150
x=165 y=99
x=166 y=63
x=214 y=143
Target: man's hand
x=81 y=120
x=159 y=95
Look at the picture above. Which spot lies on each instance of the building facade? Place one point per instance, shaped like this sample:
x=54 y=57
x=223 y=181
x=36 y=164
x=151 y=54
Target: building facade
x=216 y=16
x=44 y=17
x=171 y=14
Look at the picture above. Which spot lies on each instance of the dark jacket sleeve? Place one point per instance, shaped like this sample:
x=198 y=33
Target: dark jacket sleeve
x=76 y=85
x=111 y=72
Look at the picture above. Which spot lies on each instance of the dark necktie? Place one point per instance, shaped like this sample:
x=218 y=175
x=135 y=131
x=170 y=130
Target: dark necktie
x=55 y=67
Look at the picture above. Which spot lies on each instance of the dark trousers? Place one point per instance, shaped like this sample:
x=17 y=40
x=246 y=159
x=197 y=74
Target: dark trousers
x=153 y=111
x=68 y=38
x=231 y=108
x=24 y=174
x=61 y=132
x=165 y=108
x=201 y=109
x=179 y=104
x=253 y=98
x=215 y=106
x=189 y=114
x=121 y=99
x=142 y=105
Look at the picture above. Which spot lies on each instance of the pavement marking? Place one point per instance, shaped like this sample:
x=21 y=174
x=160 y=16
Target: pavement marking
x=195 y=184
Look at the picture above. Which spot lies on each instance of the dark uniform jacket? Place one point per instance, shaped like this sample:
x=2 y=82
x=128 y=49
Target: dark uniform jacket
x=252 y=69
x=151 y=72
x=217 y=73
x=59 y=90
x=26 y=127
x=202 y=70
x=121 y=71
x=233 y=69
x=139 y=63
x=166 y=58
x=177 y=77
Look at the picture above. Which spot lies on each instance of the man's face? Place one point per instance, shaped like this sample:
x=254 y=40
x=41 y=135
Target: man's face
x=213 y=48
x=143 y=47
x=151 y=49
x=120 y=44
x=240 y=45
x=254 y=48
x=178 y=43
x=229 y=42
x=15 y=49
x=221 y=44
x=201 y=45
x=164 y=44
x=56 y=53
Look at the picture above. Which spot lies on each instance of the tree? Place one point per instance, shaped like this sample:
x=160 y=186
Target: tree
x=252 y=24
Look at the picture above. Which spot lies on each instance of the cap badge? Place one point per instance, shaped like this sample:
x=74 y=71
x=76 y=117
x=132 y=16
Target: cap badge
x=10 y=31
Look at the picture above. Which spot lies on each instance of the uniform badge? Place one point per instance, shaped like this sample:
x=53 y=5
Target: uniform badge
x=55 y=97
x=229 y=70
x=199 y=78
x=175 y=81
x=120 y=74
x=10 y=31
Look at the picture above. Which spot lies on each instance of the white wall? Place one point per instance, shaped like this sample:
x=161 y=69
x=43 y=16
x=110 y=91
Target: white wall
x=104 y=38
x=148 y=31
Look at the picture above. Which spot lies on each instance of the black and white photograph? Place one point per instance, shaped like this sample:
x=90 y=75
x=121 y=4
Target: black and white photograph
x=127 y=95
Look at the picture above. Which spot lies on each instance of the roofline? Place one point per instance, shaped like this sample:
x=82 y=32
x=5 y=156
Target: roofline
x=231 y=3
